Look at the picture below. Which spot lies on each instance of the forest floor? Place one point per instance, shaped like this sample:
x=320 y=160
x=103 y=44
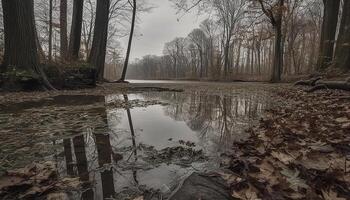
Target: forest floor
x=300 y=149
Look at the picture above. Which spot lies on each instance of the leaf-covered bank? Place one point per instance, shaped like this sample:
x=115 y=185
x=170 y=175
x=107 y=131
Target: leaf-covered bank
x=299 y=150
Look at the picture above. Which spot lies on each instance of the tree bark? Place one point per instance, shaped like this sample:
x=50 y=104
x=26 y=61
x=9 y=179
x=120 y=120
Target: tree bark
x=278 y=53
x=19 y=30
x=329 y=27
x=278 y=56
x=99 y=43
x=21 y=50
x=75 y=34
x=63 y=29
x=276 y=21
x=342 y=52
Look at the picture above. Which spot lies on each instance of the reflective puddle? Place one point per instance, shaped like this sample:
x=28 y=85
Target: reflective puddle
x=123 y=145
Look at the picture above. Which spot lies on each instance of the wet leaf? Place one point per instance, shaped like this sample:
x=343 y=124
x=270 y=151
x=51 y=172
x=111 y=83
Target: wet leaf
x=294 y=180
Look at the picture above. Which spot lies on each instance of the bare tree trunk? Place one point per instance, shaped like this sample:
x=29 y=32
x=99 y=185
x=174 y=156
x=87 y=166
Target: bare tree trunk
x=278 y=54
x=342 y=53
x=50 y=30
x=226 y=58
x=98 y=50
x=201 y=63
x=40 y=49
x=329 y=27
x=238 y=56
x=252 y=58
x=63 y=29
x=75 y=34
x=122 y=79
x=19 y=28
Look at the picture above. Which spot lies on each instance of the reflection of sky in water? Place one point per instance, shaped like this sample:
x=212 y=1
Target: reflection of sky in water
x=152 y=127
x=212 y=122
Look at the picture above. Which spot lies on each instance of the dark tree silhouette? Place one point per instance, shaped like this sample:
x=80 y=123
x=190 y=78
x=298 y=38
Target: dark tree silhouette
x=98 y=50
x=122 y=79
x=63 y=29
x=342 y=53
x=21 y=50
x=276 y=22
x=75 y=33
x=50 y=29
x=329 y=27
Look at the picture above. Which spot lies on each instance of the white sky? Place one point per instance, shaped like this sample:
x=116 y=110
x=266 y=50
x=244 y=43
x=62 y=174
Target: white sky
x=158 y=27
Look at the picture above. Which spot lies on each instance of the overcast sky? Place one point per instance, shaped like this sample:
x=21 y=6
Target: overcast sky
x=158 y=27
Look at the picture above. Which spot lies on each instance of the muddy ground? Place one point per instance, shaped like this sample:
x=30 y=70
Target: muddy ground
x=298 y=150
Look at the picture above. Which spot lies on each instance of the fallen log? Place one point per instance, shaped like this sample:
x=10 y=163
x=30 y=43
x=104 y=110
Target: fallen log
x=310 y=82
x=340 y=85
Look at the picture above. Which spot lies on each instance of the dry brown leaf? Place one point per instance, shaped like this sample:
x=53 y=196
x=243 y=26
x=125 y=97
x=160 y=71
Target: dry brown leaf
x=229 y=177
x=57 y=196
x=139 y=198
x=284 y=158
x=249 y=193
x=331 y=195
x=267 y=172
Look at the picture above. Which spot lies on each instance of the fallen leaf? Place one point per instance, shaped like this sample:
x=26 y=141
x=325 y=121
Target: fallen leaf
x=57 y=196
x=331 y=195
x=249 y=193
x=342 y=120
x=284 y=158
x=294 y=180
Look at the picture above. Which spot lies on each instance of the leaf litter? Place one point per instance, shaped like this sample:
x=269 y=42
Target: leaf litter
x=34 y=181
x=299 y=150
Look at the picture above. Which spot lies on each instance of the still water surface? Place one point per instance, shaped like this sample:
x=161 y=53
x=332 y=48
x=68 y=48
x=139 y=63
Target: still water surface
x=121 y=151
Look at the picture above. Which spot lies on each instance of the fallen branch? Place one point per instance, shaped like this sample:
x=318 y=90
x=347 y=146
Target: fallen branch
x=310 y=82
x=340 y=85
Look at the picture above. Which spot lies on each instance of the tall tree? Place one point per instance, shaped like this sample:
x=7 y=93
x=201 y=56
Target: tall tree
x=275 y=15
x=75 y=33
x=122 y=79
x=63 y=29
x=21 y=50
x=50 y=29
x=198 y=37
x=229 y=14
x=342 y=52
x=99 y=42
x=329 y=27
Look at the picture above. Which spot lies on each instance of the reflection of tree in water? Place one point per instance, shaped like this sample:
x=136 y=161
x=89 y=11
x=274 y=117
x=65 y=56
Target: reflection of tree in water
x=102 y=154
x=85 y=164
x=82 y=164
x=133 y=137
x=220 y=118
